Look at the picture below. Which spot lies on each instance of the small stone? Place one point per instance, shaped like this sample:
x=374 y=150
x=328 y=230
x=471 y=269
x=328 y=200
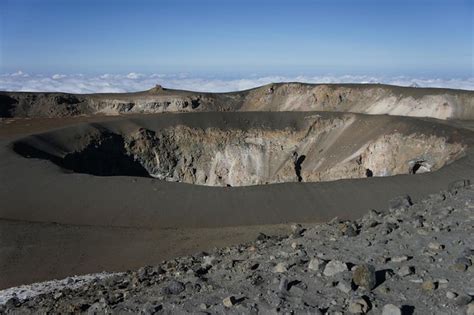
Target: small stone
x=174 y=287
x=347 y=229
x=459 y=267
x=208 y=260
x=383 y=290
x=13 y=302
x=150 y=308
x=203 y=306
x=462 y=300
x=334 y=267
x=401 y=202
x=406 y=271
x=463 y=260
x=470 y=309
x=468 y=253
x=435 y=246
x=296 y=291
x=390 y=309
x=364 y=276
x=417 y=221
x=451 y=295
x=343 y=287
x=262 y=237
x=296 y=229
x=280 y=267
x=454 y=186
x=399 y=259
x=229 y=301
x=428 y=285
x=443 y=283
x=57 y=295
x=315 y=264
x=358 y=306
x=96 y=308
x=283 y=285
x=355 y=308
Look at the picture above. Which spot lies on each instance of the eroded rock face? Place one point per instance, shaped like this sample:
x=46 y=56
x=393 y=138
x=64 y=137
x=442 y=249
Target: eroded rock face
x=237 y=158
x=322 y=150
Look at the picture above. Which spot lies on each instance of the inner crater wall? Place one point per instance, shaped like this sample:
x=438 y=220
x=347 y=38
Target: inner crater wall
x=318 y=150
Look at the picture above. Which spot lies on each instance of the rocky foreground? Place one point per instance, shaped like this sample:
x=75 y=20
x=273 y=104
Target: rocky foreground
x=411 y=259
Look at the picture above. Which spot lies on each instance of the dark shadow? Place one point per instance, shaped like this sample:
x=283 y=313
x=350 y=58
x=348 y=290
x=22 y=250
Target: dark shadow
x=381 y=276
x=298 y=163
x=293 y=283
x=350 y=265
x=7 y=106
x=105 y=158
x=417 y=166
x=408 y=310
x=67 y=99
x=369 y=173
x=195 y=103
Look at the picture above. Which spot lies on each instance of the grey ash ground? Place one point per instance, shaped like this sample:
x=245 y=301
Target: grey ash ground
x=410 y=259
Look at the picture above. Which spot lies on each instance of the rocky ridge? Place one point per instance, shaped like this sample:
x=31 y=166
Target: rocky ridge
x=372 y=99
x=414 y=258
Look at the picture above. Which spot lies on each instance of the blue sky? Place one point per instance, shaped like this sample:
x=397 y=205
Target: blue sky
x=225 y=38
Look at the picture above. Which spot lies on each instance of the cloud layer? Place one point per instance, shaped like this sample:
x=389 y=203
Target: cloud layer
x=131 y=82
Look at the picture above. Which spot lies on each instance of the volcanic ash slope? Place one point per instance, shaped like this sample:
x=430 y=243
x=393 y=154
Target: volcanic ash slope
x=410 y=259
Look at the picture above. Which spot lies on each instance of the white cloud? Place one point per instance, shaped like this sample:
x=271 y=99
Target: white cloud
x=19 y=73
x=59 y=76
x=134 y=75
x=79 y=83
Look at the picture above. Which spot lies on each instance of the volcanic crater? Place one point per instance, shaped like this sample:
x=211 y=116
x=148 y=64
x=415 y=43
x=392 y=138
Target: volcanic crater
x=316 y=147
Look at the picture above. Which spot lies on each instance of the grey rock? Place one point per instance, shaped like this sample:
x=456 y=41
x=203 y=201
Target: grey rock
x=463 y=299
x=429 y=285
x=401 y=202
x=280 y=267
x=358 y=306
x=150 y=308
x=315 y=264
x=458 y=184
x=451 y=295
x=344 y=287
x=399 y=259
x=470 y=309
x=297 y=229
x=334 y=267
x=96 y=308
x=390 y=309
x=464 y=261
x=229 y=301
x=347 y=229
x=364 y=276
x=283 y=285
x=435 y=246
x=174 y=287
x=406 y=271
